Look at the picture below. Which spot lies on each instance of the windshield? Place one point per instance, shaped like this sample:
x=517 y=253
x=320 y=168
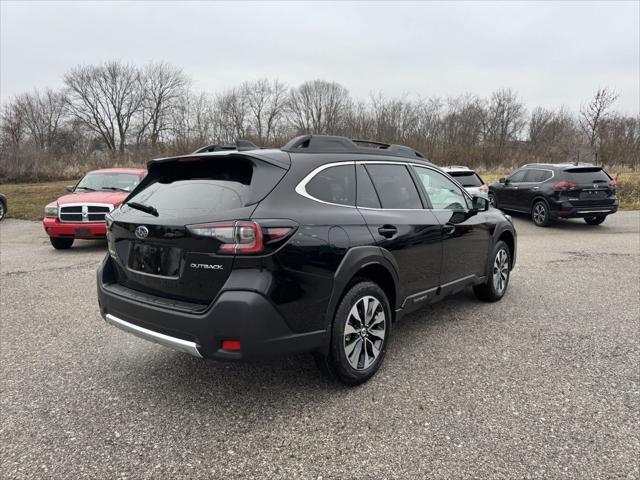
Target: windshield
x=109 y=181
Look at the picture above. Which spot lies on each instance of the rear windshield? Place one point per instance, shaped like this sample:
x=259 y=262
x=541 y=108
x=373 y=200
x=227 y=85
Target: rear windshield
x=586 y=175
x=467 y=179
x=198 y=187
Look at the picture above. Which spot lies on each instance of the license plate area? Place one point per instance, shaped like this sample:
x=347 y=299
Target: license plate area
x=157 y=260
x=83 y=232
x=593 y=194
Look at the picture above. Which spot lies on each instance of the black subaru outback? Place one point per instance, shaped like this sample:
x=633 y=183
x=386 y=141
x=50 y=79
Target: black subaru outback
x=549 y=192
x=319 y=246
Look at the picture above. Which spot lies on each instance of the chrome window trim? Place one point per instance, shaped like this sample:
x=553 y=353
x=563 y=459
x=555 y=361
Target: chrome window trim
x=83 y=204
x=301 y=187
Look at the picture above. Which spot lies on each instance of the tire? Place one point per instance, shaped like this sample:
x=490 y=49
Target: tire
x=346 y=361
x=493 y=201
x=2 y=209
x=540 y=213
x=595 y=220
x=60 y=243
x=498 y=278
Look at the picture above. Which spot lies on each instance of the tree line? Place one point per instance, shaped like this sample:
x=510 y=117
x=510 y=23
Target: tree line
x=120 y=114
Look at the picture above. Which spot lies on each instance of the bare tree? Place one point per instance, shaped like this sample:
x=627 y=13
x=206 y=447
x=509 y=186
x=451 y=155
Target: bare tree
x=265 y=101
x=192 y=121
x=231 y=116
x=593 y=114
x=504 y=121
x=318 y=107
x=12 y=126
x=105 y=98
x=42 y=113
x=163 y=87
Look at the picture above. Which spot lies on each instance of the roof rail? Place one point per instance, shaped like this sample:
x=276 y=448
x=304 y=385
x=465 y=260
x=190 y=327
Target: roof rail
x=240 y=146
x=336 y=144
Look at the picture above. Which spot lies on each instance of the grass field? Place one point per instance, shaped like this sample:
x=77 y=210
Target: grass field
x=27 y=200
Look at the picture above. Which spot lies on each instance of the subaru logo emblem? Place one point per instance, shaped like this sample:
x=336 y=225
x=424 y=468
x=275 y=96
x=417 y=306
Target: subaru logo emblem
x=142 y=232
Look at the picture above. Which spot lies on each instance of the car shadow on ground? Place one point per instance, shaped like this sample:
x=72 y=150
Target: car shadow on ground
x=80 y=246
x=276 y=384
x=577 y=224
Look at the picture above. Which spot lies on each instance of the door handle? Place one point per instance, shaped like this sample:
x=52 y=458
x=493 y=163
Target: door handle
x=449 y=229
x=387 y=231
x=535 y=188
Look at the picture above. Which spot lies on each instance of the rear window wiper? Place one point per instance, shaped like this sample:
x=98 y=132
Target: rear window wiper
x=143 y=208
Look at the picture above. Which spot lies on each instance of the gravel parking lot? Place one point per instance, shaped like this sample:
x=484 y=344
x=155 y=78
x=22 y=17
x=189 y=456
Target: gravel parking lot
x=544 y=384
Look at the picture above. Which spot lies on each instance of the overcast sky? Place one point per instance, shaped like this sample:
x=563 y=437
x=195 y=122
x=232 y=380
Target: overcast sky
x=550 y=53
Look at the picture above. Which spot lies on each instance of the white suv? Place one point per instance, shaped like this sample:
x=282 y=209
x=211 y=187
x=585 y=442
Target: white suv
x=469 y=179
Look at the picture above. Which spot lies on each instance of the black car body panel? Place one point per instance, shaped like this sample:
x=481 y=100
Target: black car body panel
x=282 y=298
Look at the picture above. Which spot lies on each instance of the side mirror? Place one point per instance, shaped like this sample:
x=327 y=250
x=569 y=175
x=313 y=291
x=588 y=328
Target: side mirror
x=69 y=188
x=502 y=180
x=480 y=204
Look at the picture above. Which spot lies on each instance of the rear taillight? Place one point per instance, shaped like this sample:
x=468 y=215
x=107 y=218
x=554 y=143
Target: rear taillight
x=484 y=188
x=277 y=233
x=613 y=184
x=236 y=237
x=564 y=186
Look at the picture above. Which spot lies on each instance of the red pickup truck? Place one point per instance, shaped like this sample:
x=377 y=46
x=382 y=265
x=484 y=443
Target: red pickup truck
x=80 y=214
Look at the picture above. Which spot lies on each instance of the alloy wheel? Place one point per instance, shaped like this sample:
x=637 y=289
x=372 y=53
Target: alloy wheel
x=364 y=332
x=500 y=271
x=539 y=213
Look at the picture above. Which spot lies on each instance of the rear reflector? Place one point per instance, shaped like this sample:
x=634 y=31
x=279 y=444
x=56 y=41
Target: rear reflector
x=231 y=345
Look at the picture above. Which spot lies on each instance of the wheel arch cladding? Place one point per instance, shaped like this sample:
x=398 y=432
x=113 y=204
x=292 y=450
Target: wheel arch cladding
x=536 y=199
x=381 y=277
x=507 y=237
x=367 y=263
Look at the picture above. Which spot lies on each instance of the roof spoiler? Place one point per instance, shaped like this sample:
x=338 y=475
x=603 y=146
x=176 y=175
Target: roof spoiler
x=240 y=146
x=337 y=144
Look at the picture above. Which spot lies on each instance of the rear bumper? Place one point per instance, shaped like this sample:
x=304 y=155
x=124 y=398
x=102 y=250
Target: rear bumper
x=568 y=210
x=166 y=340
x=87 y=230
x=241 y=315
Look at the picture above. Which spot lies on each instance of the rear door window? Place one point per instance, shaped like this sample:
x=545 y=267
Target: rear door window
x=334 y=185
x=536 y=176
x=394 y=186
x=366 y=193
